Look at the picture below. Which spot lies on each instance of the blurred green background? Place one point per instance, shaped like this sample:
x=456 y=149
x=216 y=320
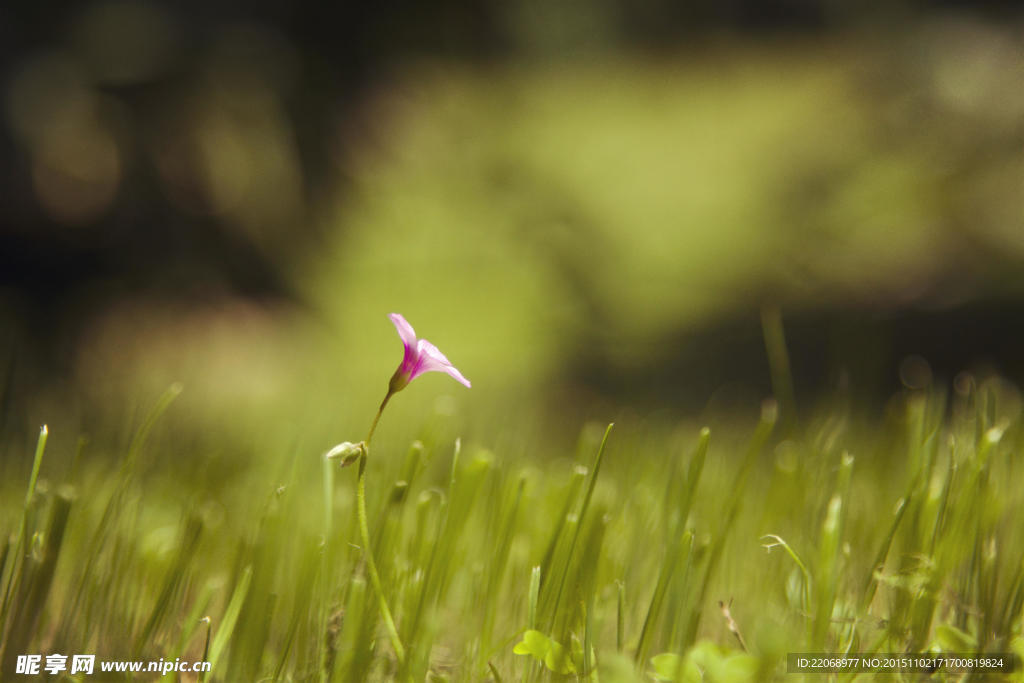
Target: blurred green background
x=599 y=211
x=586 y=206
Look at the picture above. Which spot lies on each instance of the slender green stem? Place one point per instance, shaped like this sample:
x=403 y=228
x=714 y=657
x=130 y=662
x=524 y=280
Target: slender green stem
x=364 y=532
x=17 y=560
x=376 y=419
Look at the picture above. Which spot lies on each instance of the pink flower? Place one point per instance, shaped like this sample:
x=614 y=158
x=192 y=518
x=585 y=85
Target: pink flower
x=420 y=356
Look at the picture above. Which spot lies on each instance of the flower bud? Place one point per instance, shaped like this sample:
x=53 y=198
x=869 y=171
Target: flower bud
x=346 y=451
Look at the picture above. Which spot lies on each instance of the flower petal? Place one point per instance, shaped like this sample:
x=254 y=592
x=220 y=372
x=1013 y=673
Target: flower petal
x=432 y=354
x=405 y=330
x=432 y=360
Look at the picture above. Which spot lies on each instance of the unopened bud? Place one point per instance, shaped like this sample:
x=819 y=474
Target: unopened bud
x=346 y=451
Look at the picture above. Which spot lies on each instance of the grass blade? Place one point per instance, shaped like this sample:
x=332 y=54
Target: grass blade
x=230 y=618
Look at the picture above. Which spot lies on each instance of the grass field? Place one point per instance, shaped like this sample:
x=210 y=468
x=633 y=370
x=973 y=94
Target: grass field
x=648 y=551
x=545 y=221
x=507 y=538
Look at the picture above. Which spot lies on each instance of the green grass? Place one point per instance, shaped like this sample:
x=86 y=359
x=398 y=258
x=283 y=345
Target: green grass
x=650 y=551
x=208 y=525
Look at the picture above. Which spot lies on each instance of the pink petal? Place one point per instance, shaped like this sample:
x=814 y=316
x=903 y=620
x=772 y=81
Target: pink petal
x=405 y=331
x=453 y=372
x=432 y=360
x=431 y=353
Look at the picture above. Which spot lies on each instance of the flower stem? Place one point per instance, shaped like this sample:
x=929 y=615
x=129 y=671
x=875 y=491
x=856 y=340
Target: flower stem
x=364 y=532
x=376 y=419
